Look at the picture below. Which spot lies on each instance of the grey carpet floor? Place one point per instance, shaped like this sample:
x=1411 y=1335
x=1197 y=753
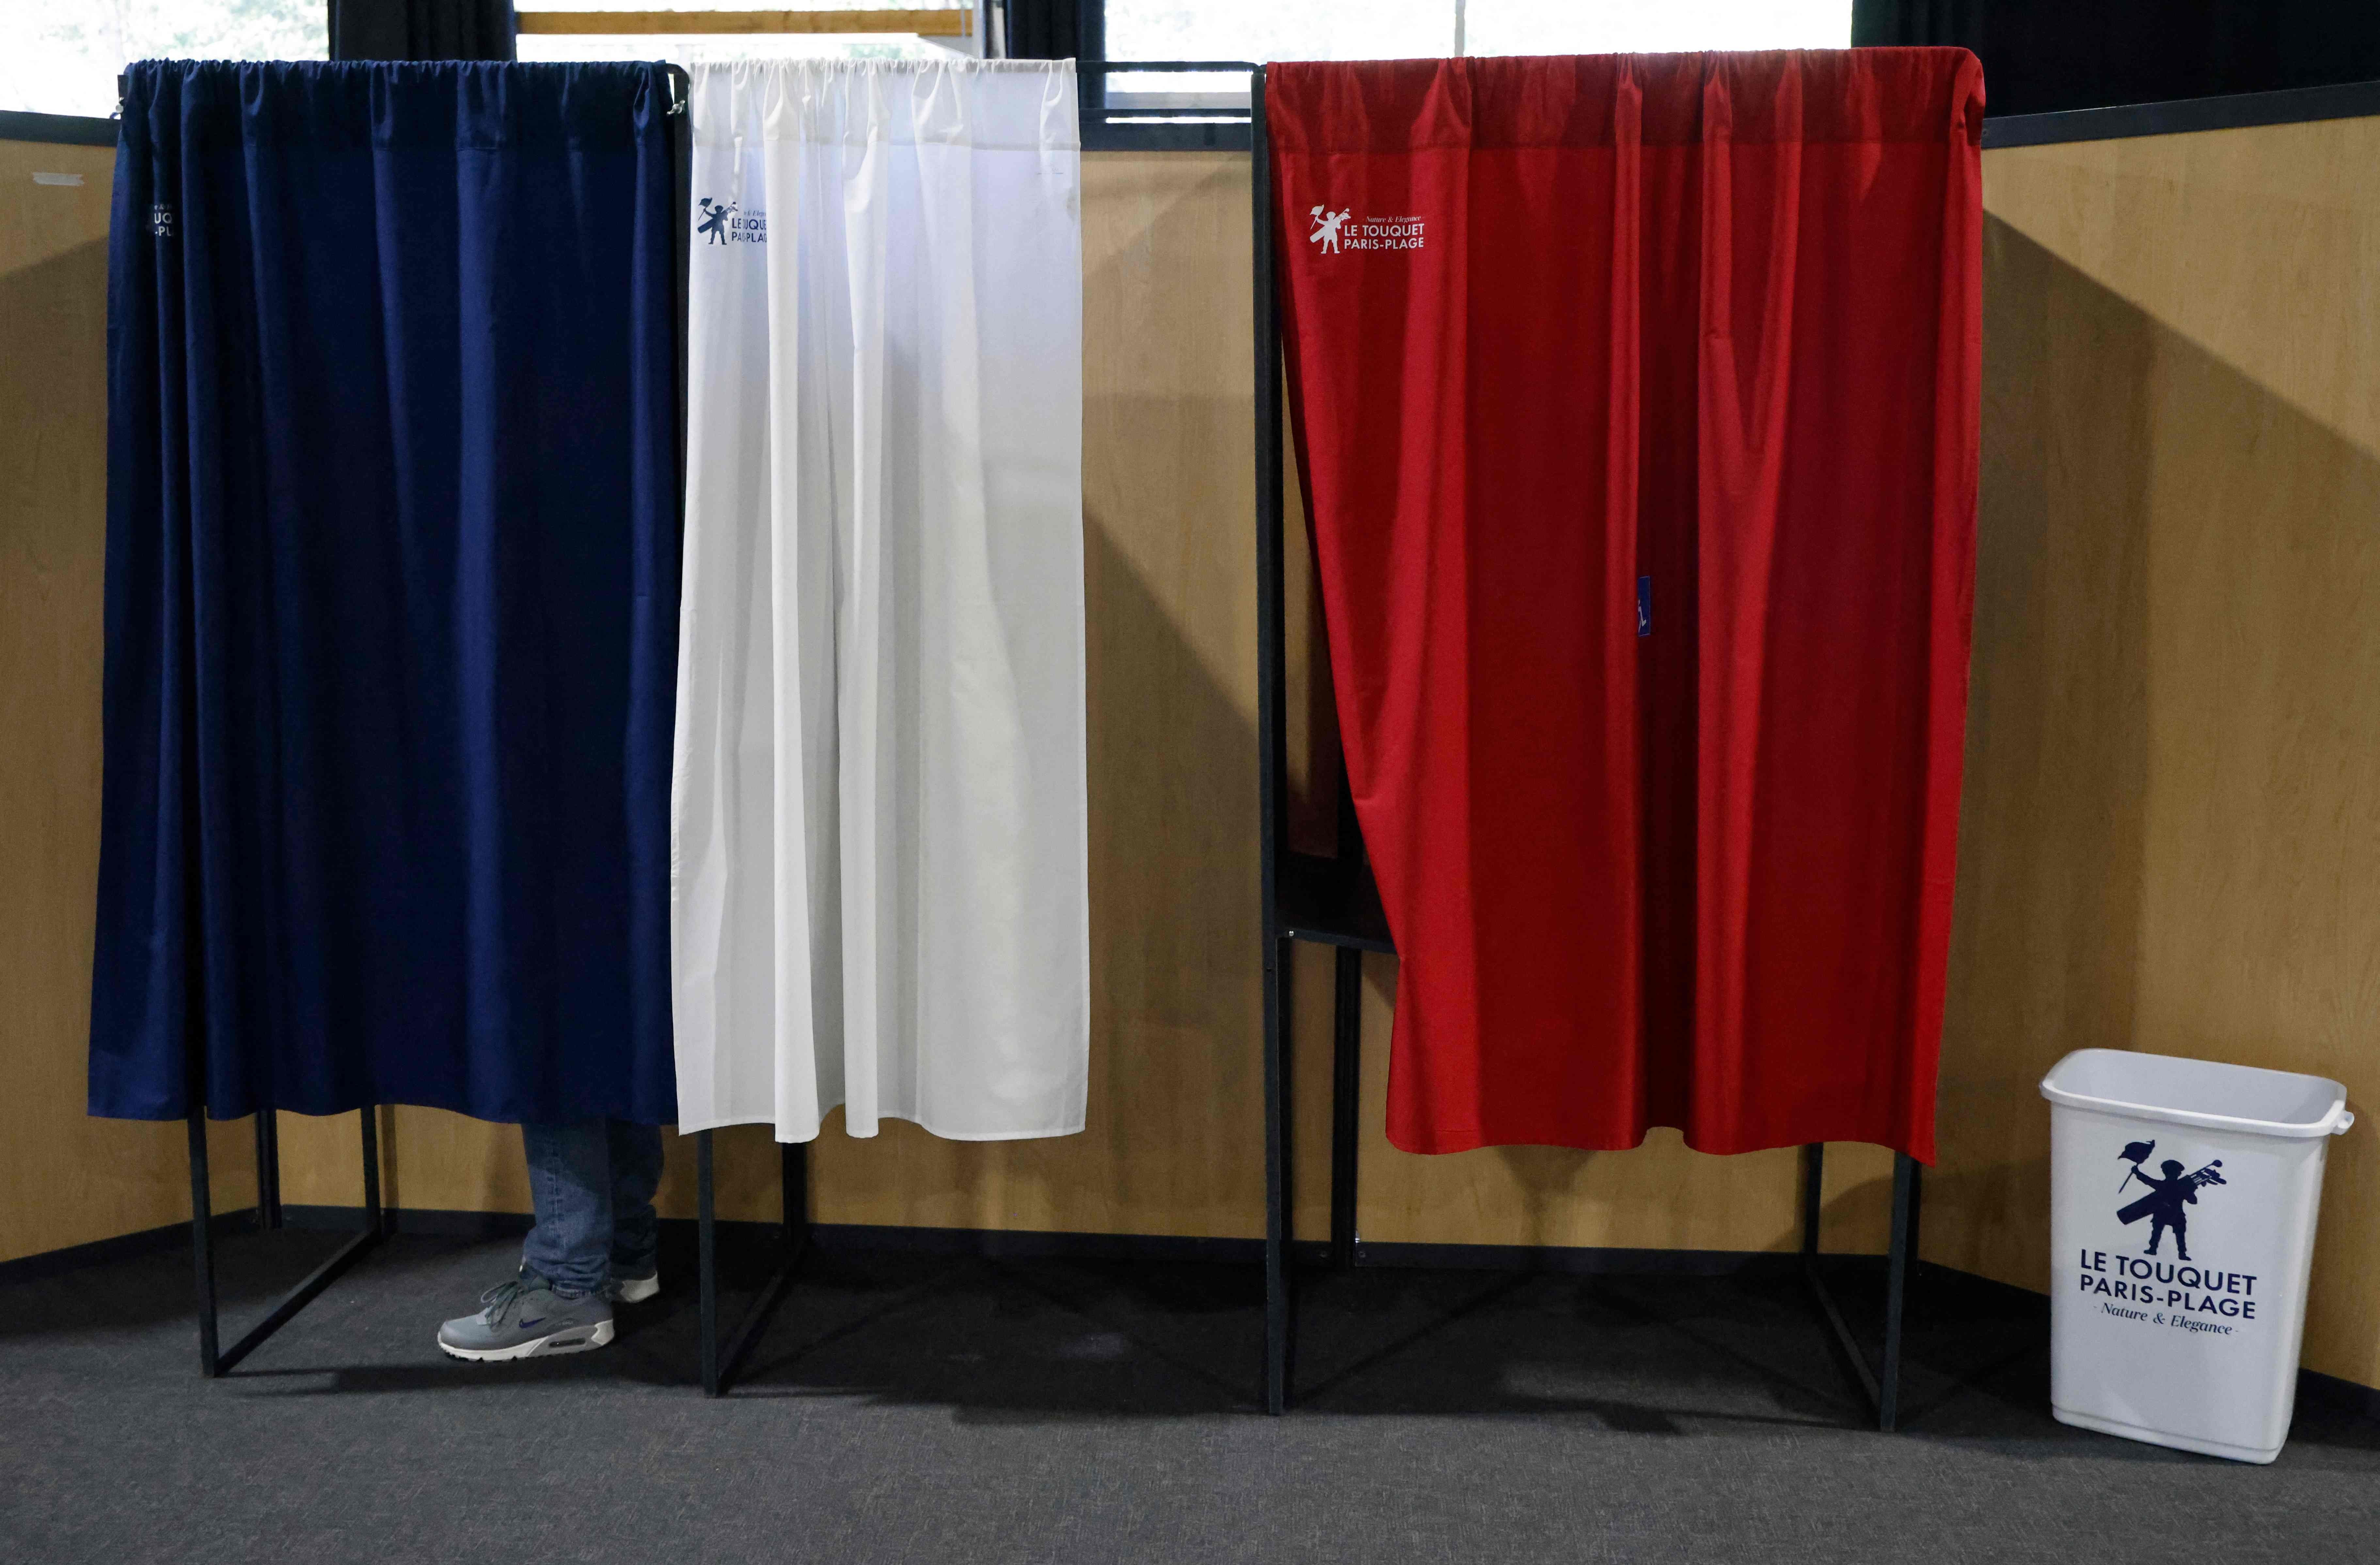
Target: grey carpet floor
x=915 y=1408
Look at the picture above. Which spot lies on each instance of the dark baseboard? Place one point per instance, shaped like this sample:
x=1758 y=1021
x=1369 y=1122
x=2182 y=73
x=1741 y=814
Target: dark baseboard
x=443 y=1224
x=2314 y=1387
x=123 y=1247
x=432 y=1222
x=438 y=1223
x=1026 y=1245
x=1585 y=1261
x=2346 y=1396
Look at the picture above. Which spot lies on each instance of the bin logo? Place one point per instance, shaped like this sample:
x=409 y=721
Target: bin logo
x=2166 y=1198
x=2179 y=1293
x=726 y=226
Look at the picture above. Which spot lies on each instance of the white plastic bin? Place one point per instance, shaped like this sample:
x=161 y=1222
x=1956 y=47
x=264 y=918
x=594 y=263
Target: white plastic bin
x=2182 y=1202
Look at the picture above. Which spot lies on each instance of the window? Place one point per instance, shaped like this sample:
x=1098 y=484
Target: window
x=63 y=58
x=1279 y=29
x=1385 y=30
x=914 y=28
x=1646 y=27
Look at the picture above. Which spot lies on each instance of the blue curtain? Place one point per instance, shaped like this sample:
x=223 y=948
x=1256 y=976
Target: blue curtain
x=391 y=592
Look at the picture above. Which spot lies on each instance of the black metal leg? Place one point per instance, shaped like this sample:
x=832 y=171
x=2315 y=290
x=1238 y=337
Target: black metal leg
x=1279 y=1347
x=215 y=1361
x=792 y=1216
x=1881 y=1382
x=1346 y=1086
x=1280 y=1307
x=1814 y=1194
x=1904 y=1227
x=707 y=1249
x=268 y=1169
x=375 y=1221
x=794 y=1191
x=203 y=1247
x=720 y=1360
x=1916 y=1208
x=1814 y=1182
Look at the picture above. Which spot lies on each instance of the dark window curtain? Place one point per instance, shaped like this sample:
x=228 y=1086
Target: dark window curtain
x=422 y=29
x=1063 y=30
x=391 y=592
x=1636 y=398
x=2044 y=55
x=1053 y=30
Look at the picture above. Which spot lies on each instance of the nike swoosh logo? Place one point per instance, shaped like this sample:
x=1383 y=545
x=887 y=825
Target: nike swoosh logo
x=526 y=1324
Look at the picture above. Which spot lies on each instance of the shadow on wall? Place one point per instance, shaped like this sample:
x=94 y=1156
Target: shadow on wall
x=2045 y=940
x=2171 y=832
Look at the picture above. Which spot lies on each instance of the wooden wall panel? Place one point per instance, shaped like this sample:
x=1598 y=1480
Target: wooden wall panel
x=64 y=1179
x=2171 y=840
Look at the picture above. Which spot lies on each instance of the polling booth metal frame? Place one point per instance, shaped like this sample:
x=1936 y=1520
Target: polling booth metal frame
x=1325 y=901
x=1102 y=127
x=215 y=1360
x=720 y=1361
x=1329 y=900
x=1334 y=902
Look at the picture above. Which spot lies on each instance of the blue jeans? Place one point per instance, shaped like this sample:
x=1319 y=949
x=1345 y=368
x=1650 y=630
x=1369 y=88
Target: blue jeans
x=594 y=1183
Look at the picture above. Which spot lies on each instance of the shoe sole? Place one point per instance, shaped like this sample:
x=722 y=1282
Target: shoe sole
x=636 y=1289
x=569 y=1340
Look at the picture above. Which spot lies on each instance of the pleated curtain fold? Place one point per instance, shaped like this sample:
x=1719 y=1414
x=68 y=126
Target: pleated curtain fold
x=391 y=588
x=879 y=863
x=1636 y=398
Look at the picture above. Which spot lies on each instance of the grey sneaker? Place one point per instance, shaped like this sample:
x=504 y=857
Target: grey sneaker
x=526 y=1319
x=632 y=1290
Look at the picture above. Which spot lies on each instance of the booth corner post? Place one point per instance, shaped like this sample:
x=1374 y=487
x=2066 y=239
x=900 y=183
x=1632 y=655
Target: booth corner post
x=215 y=1360
x=1335 y=903
x=1273 y=1392
x=1879 y=1383
x=1326 y=900
x=720 y=1361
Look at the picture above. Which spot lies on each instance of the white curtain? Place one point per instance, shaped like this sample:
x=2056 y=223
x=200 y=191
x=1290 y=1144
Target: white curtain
x=879 y=854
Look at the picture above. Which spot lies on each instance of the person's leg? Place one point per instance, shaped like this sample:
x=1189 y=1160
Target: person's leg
x=559 y=1303
x=570 y=1182
x=635 y=1229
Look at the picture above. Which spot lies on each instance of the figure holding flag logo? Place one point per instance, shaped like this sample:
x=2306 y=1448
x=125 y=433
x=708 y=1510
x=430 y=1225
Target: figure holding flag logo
x=2166 y=1197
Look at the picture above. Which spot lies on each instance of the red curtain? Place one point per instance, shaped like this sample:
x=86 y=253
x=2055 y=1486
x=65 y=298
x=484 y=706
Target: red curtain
x=1636 y=399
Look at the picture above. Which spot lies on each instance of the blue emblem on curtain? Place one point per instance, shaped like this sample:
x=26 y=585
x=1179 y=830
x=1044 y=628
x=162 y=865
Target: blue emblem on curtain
x=391 y=592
